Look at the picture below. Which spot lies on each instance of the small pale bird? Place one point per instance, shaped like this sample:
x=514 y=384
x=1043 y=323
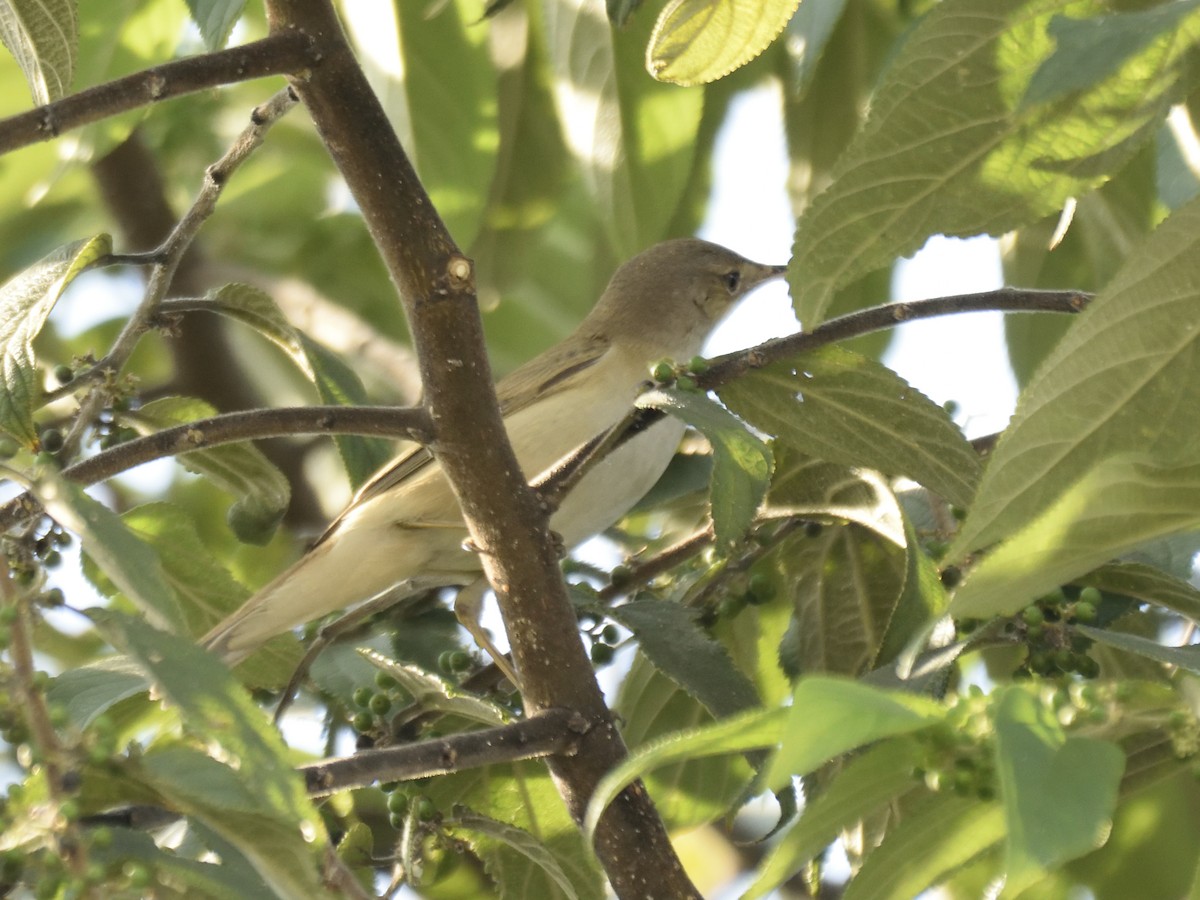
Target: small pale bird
x=403 y=531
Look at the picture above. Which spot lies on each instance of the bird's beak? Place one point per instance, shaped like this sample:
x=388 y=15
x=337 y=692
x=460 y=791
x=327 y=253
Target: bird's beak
x=757 y=273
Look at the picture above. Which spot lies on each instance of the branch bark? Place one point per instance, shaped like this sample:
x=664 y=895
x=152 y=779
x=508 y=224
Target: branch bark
x=280 y=53
x=505 y=519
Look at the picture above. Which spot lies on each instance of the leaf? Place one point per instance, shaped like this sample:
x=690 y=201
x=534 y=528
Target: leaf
x=517 y=839
x=634 y=137
x=432 y=692
x=1059 y=793
x=842 y=407
x=1120 y=382
x=619 y=11
x=747 y=731
x=940 y=834
x=670 y=638
x=87 y=691
x=1088 y=51
x=860 y=789
x=698 y=41
x=1186 y=657
x=215 y=19
x=831 y=716
x=25 y=302
x=258 y=777
x=1148 y=584
x=43 y=37
x=1123 y=502
x=926 y=163
x=742 y=464
x=129 y=562
x=240 y=469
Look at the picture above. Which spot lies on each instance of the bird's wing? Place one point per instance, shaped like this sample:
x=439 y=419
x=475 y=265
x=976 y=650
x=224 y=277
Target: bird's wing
x=566 y=360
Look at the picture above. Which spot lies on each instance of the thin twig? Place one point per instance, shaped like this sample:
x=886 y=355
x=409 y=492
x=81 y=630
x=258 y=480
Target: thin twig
x=280 y=53
x=663 y=561
x=172 y=250
x=552 y=731
x=411 y=423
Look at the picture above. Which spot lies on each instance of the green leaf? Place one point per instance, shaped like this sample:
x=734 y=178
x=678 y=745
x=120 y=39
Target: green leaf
x=1119 y=382
x=634 y=137
x=240 y=469
x=925 y=162
x=131 y=564
x=698 y=41
x=87 y=691
x=215 y=19
x=256 y=777
x=25 y=302
x=517 y=839
x=1059 y=793
x=619 y=11
x=742 y=464
x=836 y=405
x=432 y=692
x=1088 y=51
x=831 y=716
x=1148 y=584
x=1186 y=657
x=866 y=784
x=43 y=37
x=670 y=638
x=1121 y=503
x=432 y=59
x=940 y=834
x=751 y=730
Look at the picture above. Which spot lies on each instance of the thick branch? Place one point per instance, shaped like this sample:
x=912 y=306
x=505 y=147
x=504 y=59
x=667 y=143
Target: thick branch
x=281 y=53
x=552 y=731
x=411 y=423
x=504 y=517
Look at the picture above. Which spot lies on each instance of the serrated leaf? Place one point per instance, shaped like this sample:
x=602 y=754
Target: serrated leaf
x=1087 y=51
x=831 y=716
x=670 y=638
x=866 y=783
x=1121 y=381
x=215 y=19
x=43 y=37
x=839 y=406
x=698 y=41
x=806 y=486
x=129 y=562
x=521 y=841
x=1186 y=657
x=1123 y=502
x=747 y=731
x=25 y=302
x=432 y=692
x=241 y=469
x=1059 y=792
x=87 y=691
x=927 y=163
x=940 y=834
x=634 y=137
x=258 y=779
x=1148 y=584
x=742 y=464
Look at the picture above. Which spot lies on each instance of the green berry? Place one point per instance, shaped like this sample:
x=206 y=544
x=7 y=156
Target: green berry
x=397 y=802
x=138 y=875
x=385 y=682
x=362 y=696
x=64 y=374
x=1033 y=615
x=698 y=365
x=602 y=654
x=52 y=440
x=951 y=577
x=380 y=704
x=1087 y=667
x=1091 y=595
x=1035 y=632
x=951 y=408
x=610 y=634
x=102 y=837
x=52 y=598
x=396 y=820
x=443 y=661
x=1084 y=612
x=663 y=371
x=8 y=448
x=761 y=588
x=69 y=809
x=460 y=660
x=363 y=722
x=425 y=808
x=620 y=576
x=61 y=538
x=51 y=559
x=812 y=529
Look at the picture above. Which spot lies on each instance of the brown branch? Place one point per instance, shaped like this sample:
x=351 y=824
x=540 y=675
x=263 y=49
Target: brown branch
x=280 y=53
x=505 y=519
x=552 y=731
x=411 y=423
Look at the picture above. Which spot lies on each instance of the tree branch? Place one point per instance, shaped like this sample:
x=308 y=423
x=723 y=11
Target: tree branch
x=505 y=519
x=280 y=53
x=552 y=731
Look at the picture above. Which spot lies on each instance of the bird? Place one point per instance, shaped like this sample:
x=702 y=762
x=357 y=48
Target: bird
x=403 y=531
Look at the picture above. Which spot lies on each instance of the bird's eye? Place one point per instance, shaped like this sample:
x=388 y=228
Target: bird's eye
x=732 y=280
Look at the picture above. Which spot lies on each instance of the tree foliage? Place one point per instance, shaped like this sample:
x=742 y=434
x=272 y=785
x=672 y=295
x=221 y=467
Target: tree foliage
x=970 y=663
